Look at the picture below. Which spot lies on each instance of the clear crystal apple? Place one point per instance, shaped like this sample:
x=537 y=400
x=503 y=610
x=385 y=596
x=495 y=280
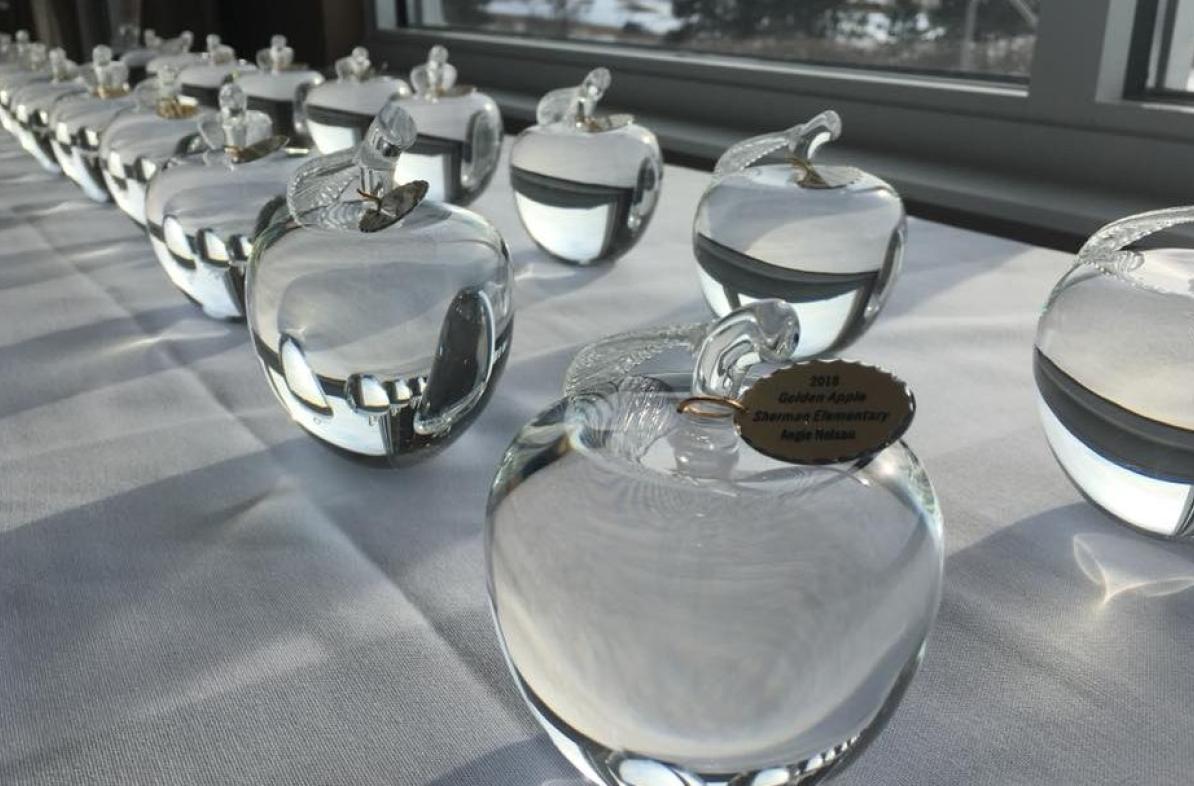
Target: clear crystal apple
x=10 y=46
x=382 y=319
x=32 y=103
x=14 y=51
x=17 y=52
x=75 y=121
x=279 y=88
x=202 y=79
x=460 y=133
x=775 y=223
x=585 y=184
x=339 y=111
x=137 y=59
x=31 y=65
x=678 y=608
x=1114 y=366
x=176 y=53
x=139 y=142
x=203 y=211
x=126 y=38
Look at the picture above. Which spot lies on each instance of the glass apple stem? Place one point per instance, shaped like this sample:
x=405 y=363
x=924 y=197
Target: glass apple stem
x=279 y=56
x=802 y=141
x=110 y=75
x=234 y=105
x=590 y=93
x=355 y=67
x=807 y=138
x=61 y=69
x=435 y=68
x=764 y=331
x=1120 y=234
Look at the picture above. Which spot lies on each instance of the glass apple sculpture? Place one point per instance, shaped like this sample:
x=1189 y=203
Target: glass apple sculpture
x=382 y=319
x=139 y=142
x=31 y=66
x=126 y=38
x=774 y=223
x=176 y=53
x=680 y=609
x=75 y=121
x=585 y=185
x=15 y=51
x=460 y=133
x=32 y=103
x=202 y=80
x=279 y=88
x=203 y=210
x=1114 y=367
x=153 y=46
x=339 y=111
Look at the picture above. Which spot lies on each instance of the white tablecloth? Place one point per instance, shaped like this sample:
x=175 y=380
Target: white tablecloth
x=194 y=591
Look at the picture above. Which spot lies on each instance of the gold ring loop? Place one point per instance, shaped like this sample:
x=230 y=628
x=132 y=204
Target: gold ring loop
x=687 y=406
x=374 y=198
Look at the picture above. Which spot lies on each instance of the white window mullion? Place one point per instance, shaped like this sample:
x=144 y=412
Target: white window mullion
x=1081 y=56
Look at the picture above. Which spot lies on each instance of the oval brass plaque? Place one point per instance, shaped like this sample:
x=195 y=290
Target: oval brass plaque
x=825 y=412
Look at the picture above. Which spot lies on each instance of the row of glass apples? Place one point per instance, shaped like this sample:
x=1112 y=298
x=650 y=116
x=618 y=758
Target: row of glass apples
x=382 y=318
x=456 y=151
x=826 y=239
x=200 y=180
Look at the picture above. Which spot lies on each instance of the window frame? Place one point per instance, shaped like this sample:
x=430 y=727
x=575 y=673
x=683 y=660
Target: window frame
x=1076 y=122
x=1139 y=82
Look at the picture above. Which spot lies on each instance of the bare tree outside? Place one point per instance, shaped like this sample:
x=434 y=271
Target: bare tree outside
x=993 y=38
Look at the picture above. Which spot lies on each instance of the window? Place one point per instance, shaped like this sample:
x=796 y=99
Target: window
x=1054 y=114
x=1170 y=26
x=983 y=38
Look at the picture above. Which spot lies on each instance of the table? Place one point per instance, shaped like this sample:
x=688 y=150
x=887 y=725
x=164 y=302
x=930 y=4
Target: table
x=194 y=591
